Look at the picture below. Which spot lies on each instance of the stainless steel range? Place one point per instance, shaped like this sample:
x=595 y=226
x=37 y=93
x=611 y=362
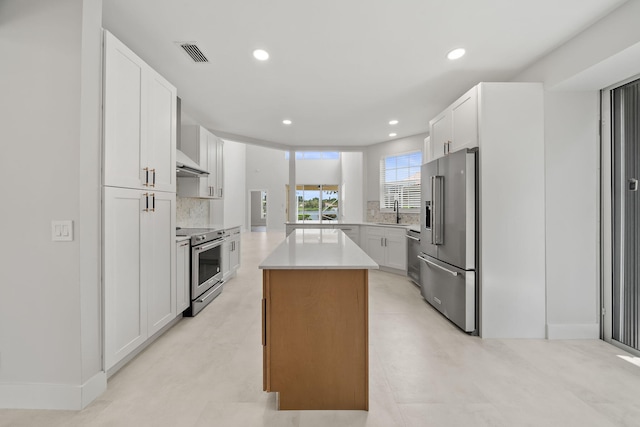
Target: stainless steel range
x=206 y=266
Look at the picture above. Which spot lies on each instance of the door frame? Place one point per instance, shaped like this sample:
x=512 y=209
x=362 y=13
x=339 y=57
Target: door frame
x=249 y=207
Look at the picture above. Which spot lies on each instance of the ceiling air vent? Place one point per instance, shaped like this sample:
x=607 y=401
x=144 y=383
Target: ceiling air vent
x=194 y=52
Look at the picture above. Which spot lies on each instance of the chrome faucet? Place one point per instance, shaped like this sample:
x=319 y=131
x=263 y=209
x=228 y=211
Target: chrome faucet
x=396 y=209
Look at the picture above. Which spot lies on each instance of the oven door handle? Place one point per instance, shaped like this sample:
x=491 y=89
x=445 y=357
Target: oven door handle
x=209 y=245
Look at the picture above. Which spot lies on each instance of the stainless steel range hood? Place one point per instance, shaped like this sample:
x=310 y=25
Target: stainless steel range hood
x=187 y=168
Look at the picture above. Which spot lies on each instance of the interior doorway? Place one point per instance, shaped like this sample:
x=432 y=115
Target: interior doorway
x=258 y=210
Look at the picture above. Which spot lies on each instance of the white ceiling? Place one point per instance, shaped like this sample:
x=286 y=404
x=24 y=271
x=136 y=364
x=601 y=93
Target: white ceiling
x=339 y=69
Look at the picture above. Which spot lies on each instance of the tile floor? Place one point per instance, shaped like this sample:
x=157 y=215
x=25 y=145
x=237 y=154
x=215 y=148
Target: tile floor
x=207 y=371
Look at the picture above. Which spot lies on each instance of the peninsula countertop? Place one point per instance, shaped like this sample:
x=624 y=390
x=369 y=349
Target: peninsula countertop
x=313 y=248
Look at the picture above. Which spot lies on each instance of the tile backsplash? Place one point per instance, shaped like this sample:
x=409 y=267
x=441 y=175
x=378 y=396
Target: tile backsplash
x=191 y=212
x=374 y=215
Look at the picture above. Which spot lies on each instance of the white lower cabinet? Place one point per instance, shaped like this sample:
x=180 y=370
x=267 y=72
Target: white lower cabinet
x=352 y=232
x=183 y=278
x=139 y=268
x=231 y=253
x=387 y=246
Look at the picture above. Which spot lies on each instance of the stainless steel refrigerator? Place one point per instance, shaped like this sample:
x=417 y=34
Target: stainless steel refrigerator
x=449 y=237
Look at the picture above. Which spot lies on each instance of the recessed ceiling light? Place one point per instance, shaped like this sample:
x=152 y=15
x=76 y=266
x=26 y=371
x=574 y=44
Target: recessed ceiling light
x=286 y=121
x=261 y=55
x=393 y=122
x=393 y=134
x=456 y=53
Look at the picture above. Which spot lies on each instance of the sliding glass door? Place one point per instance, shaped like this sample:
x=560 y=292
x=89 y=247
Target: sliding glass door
x=625 y=139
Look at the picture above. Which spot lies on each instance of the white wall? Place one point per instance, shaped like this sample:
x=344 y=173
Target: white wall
x=374 y=153
x=602 y=55
x=267 y=169
x=352 y=187
x=317 y=171
x=235 y=184
x=50 y=334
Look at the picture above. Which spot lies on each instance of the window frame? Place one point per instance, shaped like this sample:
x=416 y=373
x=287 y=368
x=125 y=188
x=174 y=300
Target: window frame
x=382 y=182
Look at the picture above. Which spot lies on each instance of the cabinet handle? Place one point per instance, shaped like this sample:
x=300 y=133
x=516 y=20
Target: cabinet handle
x=221 y=192
x=153 y=183
x=264 y=321
x=146 y=177
x=153 y=202
x=146 y=197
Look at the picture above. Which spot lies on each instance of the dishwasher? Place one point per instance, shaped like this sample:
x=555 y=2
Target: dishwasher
x=413 y=250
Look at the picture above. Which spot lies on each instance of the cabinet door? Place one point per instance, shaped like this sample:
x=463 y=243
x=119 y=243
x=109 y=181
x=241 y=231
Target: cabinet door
x=226 y=259
x=464 y=121
x=124 y=294
x=219 y=169
x=374 y=241
x=426 y=150
x=440 y=135
x=212 y=156
x=160 y=146
x=396 y=249
x=183 y=278
x=159 y=259
x=235 y=253
x=123 y=131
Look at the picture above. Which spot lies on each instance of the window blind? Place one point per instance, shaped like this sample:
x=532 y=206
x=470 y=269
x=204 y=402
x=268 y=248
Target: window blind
x=400 y=180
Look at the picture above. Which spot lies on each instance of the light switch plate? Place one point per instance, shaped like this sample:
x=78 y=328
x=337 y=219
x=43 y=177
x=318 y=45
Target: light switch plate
x=62 y=230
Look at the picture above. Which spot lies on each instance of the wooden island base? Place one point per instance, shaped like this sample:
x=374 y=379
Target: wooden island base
x=315 y=338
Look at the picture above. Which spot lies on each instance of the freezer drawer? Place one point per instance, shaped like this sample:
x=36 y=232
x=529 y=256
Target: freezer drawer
x=450 y=290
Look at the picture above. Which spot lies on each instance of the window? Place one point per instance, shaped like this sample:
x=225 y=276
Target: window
x=314 y=155
x=317 y=203
x=400 y=180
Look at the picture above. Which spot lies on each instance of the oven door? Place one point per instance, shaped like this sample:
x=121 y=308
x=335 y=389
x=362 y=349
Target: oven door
x=206 y=267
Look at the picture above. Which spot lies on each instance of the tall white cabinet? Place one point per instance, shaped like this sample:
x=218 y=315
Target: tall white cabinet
x=506 y=122
x=139 y=201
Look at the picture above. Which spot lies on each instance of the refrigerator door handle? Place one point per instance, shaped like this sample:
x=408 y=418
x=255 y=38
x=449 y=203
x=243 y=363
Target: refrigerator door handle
x=436 y=210
x=453 y=273
x=432 y=225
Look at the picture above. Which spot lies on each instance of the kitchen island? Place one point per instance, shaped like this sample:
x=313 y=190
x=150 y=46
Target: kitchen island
x=315 y=321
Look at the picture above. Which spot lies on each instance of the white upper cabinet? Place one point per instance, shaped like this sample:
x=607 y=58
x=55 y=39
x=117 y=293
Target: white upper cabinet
x=161 y=125
x=440 y=134
x=456 y=127
x=139 y=122
x=206 y=149
x=464 y=121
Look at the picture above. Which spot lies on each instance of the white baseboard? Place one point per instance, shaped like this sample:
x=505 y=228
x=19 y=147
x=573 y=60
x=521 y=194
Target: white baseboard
x=585 y=331
x=52 y=396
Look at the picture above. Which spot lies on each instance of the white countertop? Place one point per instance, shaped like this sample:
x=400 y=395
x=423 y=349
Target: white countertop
x=313 y=248
x=181 y=238
x=340 y=223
